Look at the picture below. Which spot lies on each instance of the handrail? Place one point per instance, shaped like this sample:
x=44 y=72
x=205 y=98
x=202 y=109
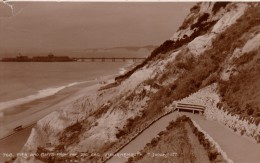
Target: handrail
x=186 y=104
x=187 y=108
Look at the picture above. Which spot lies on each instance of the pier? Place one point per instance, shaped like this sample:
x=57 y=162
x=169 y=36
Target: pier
x=108 y=59
x=52 y=58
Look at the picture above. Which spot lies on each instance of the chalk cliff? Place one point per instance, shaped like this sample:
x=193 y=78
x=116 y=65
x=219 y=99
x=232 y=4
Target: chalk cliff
x=212 y=59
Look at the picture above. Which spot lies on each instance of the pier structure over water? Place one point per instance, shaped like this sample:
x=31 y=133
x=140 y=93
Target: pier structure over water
x=108 y=59
x=52 y=58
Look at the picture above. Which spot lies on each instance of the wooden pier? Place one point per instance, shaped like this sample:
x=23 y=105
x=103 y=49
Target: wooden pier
x=108 y=59
x=52 y=58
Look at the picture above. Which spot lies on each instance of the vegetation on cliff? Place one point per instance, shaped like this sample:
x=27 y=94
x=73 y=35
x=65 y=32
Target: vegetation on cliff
x=180 y=142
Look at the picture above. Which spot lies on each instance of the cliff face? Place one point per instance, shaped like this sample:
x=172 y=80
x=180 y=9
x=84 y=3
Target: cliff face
x=216 y=46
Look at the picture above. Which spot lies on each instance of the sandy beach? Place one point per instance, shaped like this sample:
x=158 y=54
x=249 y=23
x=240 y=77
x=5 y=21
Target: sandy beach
x=28 y=114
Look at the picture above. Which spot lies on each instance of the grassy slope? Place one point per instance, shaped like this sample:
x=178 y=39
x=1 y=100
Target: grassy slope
x=178 y=143
x=241 y=93
x=200 y=72
x=197 y=73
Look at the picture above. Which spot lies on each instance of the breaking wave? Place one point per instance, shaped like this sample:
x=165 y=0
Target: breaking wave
x=40 y=94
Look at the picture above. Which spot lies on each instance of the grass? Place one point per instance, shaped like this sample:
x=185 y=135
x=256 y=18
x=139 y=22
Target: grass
x=202 y=26
x=209 y=147
x=199 y=70
x=128 y=127
x=71 y=133
x=241 y=92
x=175 y=139
x=197 y=73
x=70 y=137
x=247 y=57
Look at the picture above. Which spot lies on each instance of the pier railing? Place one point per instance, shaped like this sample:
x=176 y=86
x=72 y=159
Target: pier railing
x=108 y=59
x=71 y=59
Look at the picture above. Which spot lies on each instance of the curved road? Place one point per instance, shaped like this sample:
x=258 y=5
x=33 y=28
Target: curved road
x=239 y=149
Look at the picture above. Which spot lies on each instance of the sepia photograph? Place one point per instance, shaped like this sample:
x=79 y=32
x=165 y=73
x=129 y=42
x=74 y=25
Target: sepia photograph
x=159 y=81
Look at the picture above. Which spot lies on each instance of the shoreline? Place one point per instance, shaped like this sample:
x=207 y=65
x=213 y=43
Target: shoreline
x=28 y=114
x=42 y=93
x=15 y=116
x=34 y=111
x=6 y=106
x=12 y=117
x=66 y=90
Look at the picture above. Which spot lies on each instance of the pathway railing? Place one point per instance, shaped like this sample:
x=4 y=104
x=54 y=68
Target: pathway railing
x=190 y=107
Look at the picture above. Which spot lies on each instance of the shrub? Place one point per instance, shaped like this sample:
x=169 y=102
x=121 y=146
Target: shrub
x=219 y=5
x=182 y=65
x=211 y=150
x=195 y=8
x=242 y=132
x=219 y=105
x=257 y=113
x=102 y=110
x=213 y=155
x=236 y=88
x=169 y=45
x=163 y=48
x=250 y=111
x=200 y=21
x=75 y=127
x=162 y=132
x=257 y=138
x=154 y=142
x=70 y=135
x=149 y=81
x=120 y=134
x=245 y=58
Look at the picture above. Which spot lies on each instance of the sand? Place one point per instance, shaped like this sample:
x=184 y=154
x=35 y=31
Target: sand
x=28 y=114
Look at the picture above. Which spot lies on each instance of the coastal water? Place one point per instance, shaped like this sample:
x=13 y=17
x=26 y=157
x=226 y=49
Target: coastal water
x=24 y=82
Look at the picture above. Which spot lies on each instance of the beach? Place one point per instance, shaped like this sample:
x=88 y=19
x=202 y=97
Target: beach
x=31 y=112
x=27 y=114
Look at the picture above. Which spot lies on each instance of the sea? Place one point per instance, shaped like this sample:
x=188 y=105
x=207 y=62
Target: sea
x=23 y=82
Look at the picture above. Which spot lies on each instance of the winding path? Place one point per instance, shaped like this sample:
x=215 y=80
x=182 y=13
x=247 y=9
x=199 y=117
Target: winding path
x=239 y=149
x=145 y=137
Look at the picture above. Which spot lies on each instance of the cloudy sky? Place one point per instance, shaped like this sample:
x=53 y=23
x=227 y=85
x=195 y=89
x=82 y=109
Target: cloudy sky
x=46 y=26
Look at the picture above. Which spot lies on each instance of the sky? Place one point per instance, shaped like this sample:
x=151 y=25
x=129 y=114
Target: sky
x=36 y=27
